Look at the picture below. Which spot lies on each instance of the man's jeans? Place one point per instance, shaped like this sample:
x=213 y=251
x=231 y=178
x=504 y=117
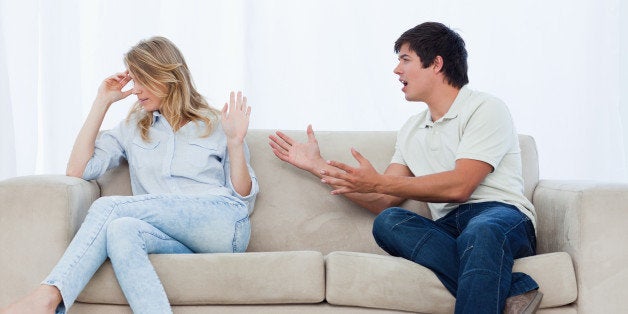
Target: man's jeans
x=128 y=228
x=471 y=250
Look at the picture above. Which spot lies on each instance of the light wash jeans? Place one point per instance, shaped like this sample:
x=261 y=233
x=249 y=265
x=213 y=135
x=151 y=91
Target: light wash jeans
x=471 y=250
x=128 y=228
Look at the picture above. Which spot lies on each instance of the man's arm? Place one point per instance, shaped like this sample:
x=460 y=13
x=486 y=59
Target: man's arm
x=376 y=202
x=307 y=156
x=454 y=186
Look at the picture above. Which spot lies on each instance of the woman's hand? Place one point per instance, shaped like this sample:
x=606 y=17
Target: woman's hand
x=110 y=89
x=235 y=118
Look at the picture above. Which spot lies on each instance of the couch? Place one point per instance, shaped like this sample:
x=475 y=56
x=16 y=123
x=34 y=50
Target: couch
x=312 y=252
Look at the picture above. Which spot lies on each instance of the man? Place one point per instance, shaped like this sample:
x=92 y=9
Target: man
x=462 y=156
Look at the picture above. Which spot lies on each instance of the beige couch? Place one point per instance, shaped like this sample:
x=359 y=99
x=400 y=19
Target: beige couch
x=311 y=252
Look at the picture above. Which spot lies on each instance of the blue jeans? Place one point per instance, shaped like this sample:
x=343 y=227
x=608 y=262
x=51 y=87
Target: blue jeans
x=128 y=228
x=471 y=250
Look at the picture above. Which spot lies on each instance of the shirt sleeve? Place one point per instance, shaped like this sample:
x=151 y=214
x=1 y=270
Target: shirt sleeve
x=108 y=152
x=488 y=134
x=397 y=157
x=249 y=200
x=402 y=137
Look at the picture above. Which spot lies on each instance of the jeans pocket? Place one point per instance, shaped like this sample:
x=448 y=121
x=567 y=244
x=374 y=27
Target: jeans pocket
x=241 y=235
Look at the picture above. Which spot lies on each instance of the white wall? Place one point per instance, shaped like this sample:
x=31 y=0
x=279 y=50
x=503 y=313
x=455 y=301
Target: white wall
x=623 y=77
x=560 y=66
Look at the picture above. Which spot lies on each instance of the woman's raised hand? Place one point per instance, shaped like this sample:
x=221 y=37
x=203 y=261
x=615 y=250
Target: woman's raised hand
x=235 y=117
x=110 y=89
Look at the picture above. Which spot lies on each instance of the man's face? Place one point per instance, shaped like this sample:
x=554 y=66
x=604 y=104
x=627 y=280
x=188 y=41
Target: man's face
x=416 y=80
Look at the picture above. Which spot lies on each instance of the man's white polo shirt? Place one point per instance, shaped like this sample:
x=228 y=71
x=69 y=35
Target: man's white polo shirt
x=477 y=126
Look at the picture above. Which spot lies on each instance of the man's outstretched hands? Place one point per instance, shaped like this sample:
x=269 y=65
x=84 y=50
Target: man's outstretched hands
x=342 y=177
x=306 y=156
x=347 y=179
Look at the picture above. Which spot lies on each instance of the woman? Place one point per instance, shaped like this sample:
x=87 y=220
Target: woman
x=193 y=188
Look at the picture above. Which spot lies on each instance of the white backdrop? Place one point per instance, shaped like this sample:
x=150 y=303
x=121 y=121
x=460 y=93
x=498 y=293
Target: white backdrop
x=560 y=66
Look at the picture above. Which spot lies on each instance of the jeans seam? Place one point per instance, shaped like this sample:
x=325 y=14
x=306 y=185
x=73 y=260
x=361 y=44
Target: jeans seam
x=150 y=197
x=100 y=229
x=167 y=238
x=235 y=233
x=113 y=208
x=157 y=235
x=419 y=244
x=465 y=251
x=501 y=263
x=499 y=275
x=401 y=222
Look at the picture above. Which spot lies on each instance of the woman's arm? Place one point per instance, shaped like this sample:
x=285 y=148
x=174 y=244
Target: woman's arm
x=109 y=92
x=235 y=123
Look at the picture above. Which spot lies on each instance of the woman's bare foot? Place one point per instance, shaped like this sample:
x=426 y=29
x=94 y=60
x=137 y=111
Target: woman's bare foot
x=43 y=300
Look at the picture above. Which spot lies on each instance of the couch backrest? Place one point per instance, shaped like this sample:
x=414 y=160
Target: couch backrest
x=294 y=211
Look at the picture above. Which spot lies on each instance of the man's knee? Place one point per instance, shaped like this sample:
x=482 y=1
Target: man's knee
x=385 y=226
x=387 y=219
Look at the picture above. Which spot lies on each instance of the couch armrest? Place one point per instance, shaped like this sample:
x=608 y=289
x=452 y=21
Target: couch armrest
x=590 y=222
x=39 y=215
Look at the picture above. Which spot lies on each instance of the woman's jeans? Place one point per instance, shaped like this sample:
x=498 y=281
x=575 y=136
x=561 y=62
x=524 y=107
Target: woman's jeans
x=128 y=228
x=471 y=250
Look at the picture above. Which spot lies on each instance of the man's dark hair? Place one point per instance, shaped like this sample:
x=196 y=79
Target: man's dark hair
x=431 y=39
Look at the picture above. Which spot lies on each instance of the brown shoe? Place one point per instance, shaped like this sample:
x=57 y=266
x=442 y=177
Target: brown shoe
x=526 y=303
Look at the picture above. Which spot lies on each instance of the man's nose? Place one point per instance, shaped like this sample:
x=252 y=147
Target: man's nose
x=396 y=70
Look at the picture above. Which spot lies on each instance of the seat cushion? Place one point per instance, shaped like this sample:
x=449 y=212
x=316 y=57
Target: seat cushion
x=223 y=278
x=378 y=281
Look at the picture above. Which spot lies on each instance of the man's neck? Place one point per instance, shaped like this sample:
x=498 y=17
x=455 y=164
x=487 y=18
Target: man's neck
x=442 y=99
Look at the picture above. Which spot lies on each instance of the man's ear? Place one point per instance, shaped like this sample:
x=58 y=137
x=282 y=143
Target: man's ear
x=437 y=64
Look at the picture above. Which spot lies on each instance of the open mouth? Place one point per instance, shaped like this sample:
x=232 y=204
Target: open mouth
x=405 y=83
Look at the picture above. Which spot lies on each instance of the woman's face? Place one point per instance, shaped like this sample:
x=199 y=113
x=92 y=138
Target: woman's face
x=149 y=101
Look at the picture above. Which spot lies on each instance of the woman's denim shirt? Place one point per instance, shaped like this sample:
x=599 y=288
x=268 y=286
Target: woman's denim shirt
x=171 y=163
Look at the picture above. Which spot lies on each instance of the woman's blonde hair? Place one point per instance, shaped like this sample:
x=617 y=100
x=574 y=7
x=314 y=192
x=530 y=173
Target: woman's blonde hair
x=158 y=64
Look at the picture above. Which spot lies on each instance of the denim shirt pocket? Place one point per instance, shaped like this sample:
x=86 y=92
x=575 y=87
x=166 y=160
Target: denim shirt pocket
x=143 y=154
x=202 y=159
x=206 y=148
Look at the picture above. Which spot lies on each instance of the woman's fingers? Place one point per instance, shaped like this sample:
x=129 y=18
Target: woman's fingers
x=231 y=101
x=238 y=102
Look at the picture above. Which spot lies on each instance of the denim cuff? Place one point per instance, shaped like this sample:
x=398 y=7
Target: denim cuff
x=521 y=283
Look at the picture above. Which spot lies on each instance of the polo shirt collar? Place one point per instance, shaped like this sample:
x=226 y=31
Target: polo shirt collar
x=453 y=111
x=458 y=103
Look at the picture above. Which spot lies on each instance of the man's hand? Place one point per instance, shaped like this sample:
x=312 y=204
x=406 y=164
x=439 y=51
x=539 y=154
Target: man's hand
x=347 y=179
x=306 y=156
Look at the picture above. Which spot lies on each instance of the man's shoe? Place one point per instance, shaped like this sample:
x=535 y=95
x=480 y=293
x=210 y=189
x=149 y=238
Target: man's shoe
x=526 y=303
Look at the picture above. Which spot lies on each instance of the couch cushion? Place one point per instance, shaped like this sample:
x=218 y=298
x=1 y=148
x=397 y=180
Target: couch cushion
x=369 y=280
x=223 y=278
